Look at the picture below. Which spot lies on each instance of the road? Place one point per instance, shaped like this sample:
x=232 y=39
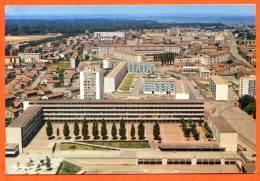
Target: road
x=191 y=86
x=234 y=51
x=38 y=79
x=243 y=124
x=138 y=84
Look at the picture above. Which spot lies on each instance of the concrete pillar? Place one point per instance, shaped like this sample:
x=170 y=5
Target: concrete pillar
x=222 y=161
x=194 y=161
x=164 y=161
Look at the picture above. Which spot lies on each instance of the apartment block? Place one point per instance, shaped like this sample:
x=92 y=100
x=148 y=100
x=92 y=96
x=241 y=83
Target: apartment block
x=140 y=67
x=115 y=77
x=91 y=84
x=158 y=86
x=218 y=87
x=247 y=85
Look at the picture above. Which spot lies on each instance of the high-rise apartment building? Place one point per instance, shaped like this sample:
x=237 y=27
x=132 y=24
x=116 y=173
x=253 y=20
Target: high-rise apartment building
x=247 y=85
x=91 y=84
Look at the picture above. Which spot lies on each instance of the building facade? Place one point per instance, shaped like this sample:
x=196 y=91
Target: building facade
x=247 y=85
x=140 y=67
x=218 y=88
x=91 y=84
x=159 y=87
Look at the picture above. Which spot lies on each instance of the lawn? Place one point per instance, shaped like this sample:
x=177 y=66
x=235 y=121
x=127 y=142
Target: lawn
x=69 y=168
x=62 y=64
x=127 y=82
x=74 y=146
x=121 y=144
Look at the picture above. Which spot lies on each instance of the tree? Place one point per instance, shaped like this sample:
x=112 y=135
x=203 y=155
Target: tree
x=156 y=131
x=141 y=130
x=133 y=131
x=122 y=129
x=66 y=129
x=48 y=162
x=114 y=131
x=187 y=132
x=200 y=122
x=84 y=129
x=104 y=129
x=95 y=129
x=49 y=129
x=58 y=132
x=76 y=128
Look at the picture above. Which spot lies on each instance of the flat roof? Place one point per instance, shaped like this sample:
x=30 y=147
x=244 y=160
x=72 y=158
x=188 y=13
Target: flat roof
x=160 y=80
x=188 y=146
x=10 y=145
x=221 y=123
x=217 y=79
x=120 y=101
x=25 y=116
x=116 y=69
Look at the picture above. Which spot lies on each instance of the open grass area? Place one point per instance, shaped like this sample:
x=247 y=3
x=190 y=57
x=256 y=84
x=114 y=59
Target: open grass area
x=69 y=168
x=74 y=146
x=121 y=144
x=127 y=82
x=62 y=64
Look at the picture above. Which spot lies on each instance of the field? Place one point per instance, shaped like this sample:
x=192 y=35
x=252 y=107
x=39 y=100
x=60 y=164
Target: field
x=72 y=146
x=121 y=144
x=127 y=82
x=69 y=168
x=62 y=64
x=18 y=39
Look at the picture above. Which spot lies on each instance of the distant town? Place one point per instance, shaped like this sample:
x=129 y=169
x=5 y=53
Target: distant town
x=131 y=101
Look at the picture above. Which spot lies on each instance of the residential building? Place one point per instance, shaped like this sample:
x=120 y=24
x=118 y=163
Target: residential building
x=127 y=55
x=91 y=84
x=247 y=85
x=218 y=87
x=159 y=86
x=115 y=77
x=134 y=67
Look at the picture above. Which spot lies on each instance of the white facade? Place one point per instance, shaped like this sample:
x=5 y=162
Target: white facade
x=115 y=77
x=247 y=85
x=109 y=34
x=107 y=63
x=218 y=88
x=91 y=84
x=182 y=96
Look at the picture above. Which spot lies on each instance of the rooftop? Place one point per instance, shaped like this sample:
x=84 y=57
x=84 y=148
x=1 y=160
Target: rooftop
x=222 y=125
x=23 y=118
x=116 y=69
x=217 y=80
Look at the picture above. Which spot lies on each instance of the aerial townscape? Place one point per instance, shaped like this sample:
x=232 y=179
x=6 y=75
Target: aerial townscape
x=103 y=95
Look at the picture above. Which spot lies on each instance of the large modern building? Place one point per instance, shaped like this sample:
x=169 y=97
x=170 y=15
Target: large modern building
x=23 y=129
x=115 y=110
x=247 y=85
x=109 y=34
x=127 y=55
x=91 y=84
x=159 y=86
x=133 y=67
x=109 y=49
x=218 y=87
x=115 y=77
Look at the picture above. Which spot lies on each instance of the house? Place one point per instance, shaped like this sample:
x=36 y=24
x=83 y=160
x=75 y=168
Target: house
x=9 y=99
x=74 y=89
x=67 y=79
x=11 y=112
x=57 y=95
x=43 y=91
x=28 y=94
x=53 y=83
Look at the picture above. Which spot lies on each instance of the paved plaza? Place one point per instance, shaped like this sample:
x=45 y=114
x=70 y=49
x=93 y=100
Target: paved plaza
x=170 y=133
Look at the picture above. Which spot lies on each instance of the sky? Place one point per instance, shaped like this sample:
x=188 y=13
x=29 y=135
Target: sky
x=130 y=10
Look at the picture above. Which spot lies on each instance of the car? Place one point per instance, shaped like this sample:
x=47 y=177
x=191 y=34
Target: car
x=254 y=155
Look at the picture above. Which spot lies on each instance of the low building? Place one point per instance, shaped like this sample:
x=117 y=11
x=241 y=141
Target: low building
x=11 y=149
x=218 y=87
x=224 y=133
x=204 y=73
x=140 y=67
x=115 y=77
x=159 y=86
x=74 y=62
x=11 y=112
x=107 y=63
x=190 y=69
x=247 y=85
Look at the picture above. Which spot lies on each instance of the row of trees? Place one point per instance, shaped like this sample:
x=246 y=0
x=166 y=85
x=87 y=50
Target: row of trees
x=192 y=129
x=248 y=104
x=104 y=132
x=165 y=58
